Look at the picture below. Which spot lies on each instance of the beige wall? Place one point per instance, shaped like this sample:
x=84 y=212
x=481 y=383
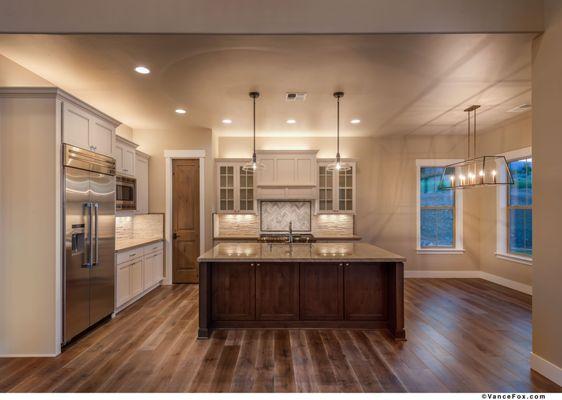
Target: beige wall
x=386 y=198
x=547 y=217
x=508 y=137
x=154 y=143
x=30 y=245
x=13 y=74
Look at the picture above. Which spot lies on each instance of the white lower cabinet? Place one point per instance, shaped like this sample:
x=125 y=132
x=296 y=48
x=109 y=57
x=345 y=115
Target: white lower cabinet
x=138 y=271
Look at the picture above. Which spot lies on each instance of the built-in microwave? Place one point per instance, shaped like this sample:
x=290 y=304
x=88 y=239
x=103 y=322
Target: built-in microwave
x=125 y=193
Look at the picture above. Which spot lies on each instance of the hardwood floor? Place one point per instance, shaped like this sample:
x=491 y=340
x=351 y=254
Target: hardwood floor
x=463 y=335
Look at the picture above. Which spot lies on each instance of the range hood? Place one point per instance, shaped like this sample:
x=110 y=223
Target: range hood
x=287 y=175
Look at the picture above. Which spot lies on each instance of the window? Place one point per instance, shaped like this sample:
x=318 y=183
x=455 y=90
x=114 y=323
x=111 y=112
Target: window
x=439 y=211
x=519 y=205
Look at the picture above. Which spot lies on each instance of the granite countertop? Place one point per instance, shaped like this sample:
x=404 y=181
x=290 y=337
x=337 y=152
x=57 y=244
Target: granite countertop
x=126 y=244
x=299 y=252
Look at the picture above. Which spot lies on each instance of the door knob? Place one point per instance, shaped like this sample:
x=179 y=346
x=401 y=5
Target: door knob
x=175 y=236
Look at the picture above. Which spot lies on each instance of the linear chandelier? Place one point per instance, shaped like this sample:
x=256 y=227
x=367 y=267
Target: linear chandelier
x=475 y=171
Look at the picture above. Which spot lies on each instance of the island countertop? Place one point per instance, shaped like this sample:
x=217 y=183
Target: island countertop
x=298 y=252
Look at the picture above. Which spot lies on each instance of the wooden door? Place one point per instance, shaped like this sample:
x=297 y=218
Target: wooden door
x=185 y=221
x=365 y=291
x=321 y=290
x=277 y=291
x=233 y=292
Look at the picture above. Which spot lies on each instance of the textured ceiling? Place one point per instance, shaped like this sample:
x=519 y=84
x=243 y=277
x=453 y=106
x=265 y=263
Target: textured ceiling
x=396 y=84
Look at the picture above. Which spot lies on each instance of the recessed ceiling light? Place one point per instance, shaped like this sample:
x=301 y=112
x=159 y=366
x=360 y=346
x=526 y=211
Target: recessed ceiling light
x=141 y=69
x=355 y=121
x=181 y=111
x=227 y=121
x=291 y=121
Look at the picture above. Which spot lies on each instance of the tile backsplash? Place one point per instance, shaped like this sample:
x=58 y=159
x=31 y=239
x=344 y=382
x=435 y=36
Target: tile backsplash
x=142 y=226
x=278 y=216
x=275 y=216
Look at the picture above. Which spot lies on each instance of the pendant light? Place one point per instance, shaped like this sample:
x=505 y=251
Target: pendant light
x=338 y=165
x=475 y=171
x=254 y=165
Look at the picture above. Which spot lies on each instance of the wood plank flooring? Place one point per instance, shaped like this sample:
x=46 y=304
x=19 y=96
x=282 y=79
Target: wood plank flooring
x=463 y=335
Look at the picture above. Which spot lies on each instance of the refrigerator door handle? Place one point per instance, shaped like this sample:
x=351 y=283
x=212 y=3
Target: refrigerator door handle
x=96 y=251
x=88 y=252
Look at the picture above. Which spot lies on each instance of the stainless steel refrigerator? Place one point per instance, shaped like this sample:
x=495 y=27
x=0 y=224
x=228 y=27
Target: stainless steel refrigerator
x=89 y=239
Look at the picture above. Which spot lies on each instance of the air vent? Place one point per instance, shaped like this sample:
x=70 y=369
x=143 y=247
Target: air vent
x=294 y=96
x=520 y=108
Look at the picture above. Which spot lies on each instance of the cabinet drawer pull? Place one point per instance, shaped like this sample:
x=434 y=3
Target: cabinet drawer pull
x=132 y=255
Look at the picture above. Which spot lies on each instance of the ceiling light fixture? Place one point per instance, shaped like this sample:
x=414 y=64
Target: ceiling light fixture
x=227 y=121
x=181 y=111
x=355 y=121
x=475 y=171
x=254 y=165
x=291 y=121
x=141 y=69
x=338 y=165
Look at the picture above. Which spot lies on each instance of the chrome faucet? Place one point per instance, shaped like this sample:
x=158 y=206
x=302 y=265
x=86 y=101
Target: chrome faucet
x=290 y=231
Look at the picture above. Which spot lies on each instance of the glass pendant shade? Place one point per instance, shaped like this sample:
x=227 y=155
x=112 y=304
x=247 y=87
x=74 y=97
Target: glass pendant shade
x=475 y=171
x=479 y=171
x=253 y=165
x=338 y=165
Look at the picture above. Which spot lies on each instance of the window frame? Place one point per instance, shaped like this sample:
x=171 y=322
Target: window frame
x=457 y=247
x=503 y=220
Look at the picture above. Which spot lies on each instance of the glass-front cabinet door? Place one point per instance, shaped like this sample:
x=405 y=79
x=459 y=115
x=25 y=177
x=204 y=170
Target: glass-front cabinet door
x=246 y=190
x=325 y=189
x=336 y=190
x=226 y=188
x=235 y=189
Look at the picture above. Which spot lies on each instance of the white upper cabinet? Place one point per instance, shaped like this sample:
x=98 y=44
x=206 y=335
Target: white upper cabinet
x=287 y=168
x=125 y=156
x=235 y=187
x=84 y=129
x=336 y=190
x=141 y=175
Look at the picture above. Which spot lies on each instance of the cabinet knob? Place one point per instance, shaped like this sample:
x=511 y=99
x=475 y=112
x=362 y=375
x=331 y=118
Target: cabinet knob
x=258 y=264
x=347 y=264
x=341 y=264
x=252 y=264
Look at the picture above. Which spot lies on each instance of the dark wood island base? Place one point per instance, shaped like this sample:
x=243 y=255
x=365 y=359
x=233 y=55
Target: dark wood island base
x=347 y=293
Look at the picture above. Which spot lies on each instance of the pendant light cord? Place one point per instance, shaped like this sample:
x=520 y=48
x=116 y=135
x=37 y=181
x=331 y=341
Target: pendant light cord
x=254 y=154
x=474 y=137
x=338 y=130
x=468 y=136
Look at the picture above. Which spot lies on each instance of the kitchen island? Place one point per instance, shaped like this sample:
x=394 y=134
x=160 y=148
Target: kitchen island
x=308 y=285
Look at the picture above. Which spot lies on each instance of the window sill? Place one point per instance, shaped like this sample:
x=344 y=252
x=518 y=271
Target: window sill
x=515 y=258
x=440 y=251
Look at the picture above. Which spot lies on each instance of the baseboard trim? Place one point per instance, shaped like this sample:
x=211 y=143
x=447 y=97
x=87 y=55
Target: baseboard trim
x=546 y=369
x=18 y=355
x=520 y=287
x=442 y=274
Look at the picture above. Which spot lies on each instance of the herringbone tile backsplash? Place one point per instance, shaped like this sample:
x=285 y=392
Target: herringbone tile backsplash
x=277 y=215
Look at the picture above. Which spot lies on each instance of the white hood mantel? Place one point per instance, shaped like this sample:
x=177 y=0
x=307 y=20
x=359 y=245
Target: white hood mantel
x=287 y=174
